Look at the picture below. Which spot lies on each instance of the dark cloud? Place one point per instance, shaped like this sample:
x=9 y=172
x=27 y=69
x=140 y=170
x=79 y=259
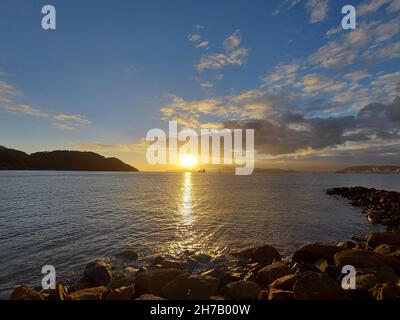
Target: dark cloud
x=287 y=132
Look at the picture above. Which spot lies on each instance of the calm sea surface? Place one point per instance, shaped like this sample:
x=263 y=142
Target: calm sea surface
x=69 y=218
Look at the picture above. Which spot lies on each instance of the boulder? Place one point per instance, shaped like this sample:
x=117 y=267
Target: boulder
x=364 y=259
x=149 y=297
x=276 y=294
x=243 y=290
x=272 y=272
x=95 y=293
x=120 y=281
x=59 y=293
x=312 y=252
x=377 y=238
x=186 y=287
x=385 y=291
x=385 y=249
x=265 y=254
x=130 y=255
x=123 y=293
x=285 y=283
x=218 y=273
x=25 y=292
x=317 y=286
x=98 y=273
x=153 y=281
x=346 y=245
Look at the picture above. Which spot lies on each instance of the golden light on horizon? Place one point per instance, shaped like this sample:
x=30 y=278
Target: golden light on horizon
x=187 y=161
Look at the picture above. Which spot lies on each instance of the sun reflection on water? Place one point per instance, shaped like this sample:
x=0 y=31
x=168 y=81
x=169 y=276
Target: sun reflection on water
x=186 y=206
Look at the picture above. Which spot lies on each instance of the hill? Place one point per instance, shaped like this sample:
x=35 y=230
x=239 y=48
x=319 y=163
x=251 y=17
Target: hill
x=371 y=169
x=60 y=160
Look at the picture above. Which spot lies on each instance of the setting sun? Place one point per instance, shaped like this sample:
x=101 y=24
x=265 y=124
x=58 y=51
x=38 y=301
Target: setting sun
x=187 y=161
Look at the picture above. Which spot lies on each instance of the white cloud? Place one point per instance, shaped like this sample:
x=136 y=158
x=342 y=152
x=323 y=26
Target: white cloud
x=72 y=118
x=371 y=6
x=318 y=10
x=233 y=55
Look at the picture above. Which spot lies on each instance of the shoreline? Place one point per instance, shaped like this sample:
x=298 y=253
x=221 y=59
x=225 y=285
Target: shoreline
x=313 y=272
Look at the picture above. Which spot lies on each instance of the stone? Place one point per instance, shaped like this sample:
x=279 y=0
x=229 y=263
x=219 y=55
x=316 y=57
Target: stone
x=59 y=293
x=218 y=273
x=346 y=245
x=186 y=287
x=317 y=286
x=270 y=273
x=385 y=249
x=364 y=259
x=386 y=291
x=312 y=252
x=153 y=281
x=202 y=257
x=276 y=294
x=377 y=238
x=243 y=290
x=149 y=297
x=95 y=293
x=265 y=254
x=123 y=293
x=127 y=255
x=285 y=283
x=98 y=273
x=120 y=281
x=25 y=292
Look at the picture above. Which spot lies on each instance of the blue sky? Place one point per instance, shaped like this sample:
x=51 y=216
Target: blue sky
x=114 y=69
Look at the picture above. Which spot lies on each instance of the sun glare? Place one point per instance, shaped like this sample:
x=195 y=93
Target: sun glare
x=188 y=161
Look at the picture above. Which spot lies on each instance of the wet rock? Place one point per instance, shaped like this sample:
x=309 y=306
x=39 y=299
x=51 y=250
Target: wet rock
x=95 y=293
x=186 y=287
x=243 y=290
x=300 y=267
x=149 y=297
x=202 y=257
x=120 y=281
x=276 y=294
x=285 y=283
x=312 y=252
x=317 y=286
x=234 y=274
x=265 y=254
x=59 y=293
x=98 y=273
x=217 y=298
x=25 y=292
x=153 y=281
x=130 y=255
x=386 y=291
x=347 y=245
x=272 y=272
x=385 y=249
x=123 y=293
x=218 y=273
x=377 y=238
x=364 y=259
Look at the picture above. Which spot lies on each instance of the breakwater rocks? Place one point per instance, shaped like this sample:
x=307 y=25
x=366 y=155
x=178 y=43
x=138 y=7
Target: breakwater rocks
x=380 y=206
x=313 y=272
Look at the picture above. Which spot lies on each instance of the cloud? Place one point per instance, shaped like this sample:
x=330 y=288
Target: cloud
x=61 y=126
x=371 y=6
x=394 y=7
x=197 y=40
x=283 y=75
x=318 y=10
x=232 y=54
x=72 y=118
x=357 y=75
x=315 y=83
x=207 y=85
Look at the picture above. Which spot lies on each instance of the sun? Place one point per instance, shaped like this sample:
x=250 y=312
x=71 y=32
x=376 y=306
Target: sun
x=187 y=161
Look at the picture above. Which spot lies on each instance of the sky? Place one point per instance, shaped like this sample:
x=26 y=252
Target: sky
x=319 y=97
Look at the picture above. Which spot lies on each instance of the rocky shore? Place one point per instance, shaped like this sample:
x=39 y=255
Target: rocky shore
x=313 y=272
x=381 y=207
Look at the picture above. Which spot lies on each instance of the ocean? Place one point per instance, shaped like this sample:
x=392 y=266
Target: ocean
x=67 y=219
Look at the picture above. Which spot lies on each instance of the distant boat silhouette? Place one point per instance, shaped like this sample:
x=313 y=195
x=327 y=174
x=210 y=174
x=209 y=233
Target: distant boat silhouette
x=202 y=171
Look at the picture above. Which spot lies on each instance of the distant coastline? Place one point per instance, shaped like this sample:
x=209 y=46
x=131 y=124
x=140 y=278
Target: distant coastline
x=61 y=160
x=371 y=169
